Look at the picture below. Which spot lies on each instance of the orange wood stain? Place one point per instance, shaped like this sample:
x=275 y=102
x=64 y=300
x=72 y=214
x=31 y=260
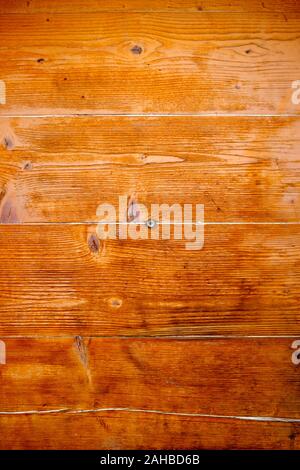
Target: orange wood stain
x=143 y=344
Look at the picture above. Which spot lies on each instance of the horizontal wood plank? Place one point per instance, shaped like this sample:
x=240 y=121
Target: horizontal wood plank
x=50 y=6
x=61 y=279
x=120 y=62
x=117 y=430
x=61 y=169
x=224 y=377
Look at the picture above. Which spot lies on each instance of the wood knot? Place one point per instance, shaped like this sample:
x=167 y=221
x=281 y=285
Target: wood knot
x=93 y=243
x=115 y=302
x=136 y=50
x=8 y=143
x=27 y=166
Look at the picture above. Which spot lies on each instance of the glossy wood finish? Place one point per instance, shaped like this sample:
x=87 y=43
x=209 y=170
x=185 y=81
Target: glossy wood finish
x=231 y=377
x=161 y=63
x=105 y=393
x=136 y=430
x=55 y=6
x=241 y=169
x=142 y=344
x=54 y=280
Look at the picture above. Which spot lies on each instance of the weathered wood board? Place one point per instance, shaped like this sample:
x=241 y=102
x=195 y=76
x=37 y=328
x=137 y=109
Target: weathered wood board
x=229 y=376
x=55 y=280
x=149 y=63
x=61 y=169
x=71 y=6
x=144 y=344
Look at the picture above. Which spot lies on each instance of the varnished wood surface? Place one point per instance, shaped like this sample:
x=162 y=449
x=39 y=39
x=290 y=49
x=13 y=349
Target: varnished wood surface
x=105 y=393
x=223 y=377
x=58 y=279
x=241 y=169
x=51 y=6
x=142 y=344
x=131 y=430
x=162 y=63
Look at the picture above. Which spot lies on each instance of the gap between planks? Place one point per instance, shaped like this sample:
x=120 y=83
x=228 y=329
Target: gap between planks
x=143 y=115
x=150 y=11
x=152 y=337
x=142 y=223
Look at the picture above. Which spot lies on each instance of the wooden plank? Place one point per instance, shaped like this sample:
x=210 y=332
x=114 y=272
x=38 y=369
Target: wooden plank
x=241 y=169
x=117 y=430
x=61 y=280
x=149 y=63
x=223 y=377
x=50 y=6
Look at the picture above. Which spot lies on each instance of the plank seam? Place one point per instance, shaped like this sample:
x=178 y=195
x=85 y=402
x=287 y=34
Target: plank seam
x=266 y=12
x=142 y=223
x=111 y=115
x=150 y=337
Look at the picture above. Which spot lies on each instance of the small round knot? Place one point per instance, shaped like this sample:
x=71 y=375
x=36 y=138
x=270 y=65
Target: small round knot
x=136 y=49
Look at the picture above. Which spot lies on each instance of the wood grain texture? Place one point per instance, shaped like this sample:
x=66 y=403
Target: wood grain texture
x=103 y=345
x=70 y=6
x=117 y=430
x=54 y=280
x=87 y=63
x=228 y=377
x=61 y=169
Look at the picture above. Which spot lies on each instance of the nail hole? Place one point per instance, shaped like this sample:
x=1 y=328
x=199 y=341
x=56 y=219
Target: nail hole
x=151 y=223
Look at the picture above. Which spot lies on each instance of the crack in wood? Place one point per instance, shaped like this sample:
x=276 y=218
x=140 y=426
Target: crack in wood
x=160 y=412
